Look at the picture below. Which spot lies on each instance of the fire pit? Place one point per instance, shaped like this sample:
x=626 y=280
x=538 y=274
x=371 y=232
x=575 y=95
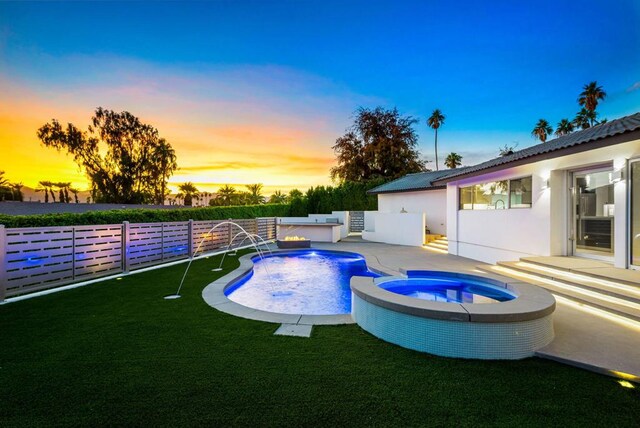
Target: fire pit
x=293 y=242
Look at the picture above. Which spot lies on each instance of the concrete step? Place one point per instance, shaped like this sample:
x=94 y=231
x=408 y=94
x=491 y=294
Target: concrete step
x=430 y=238
x=435 y=249
x=436 y=244
x=608 y=287
x=593 y=268
x=624 y=308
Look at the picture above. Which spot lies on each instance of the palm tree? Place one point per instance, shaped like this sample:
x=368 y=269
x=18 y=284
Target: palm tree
x=226 y=195
x=589 y=97
x=453 y=160
x=278 y=198
x=75 y=193
x=188 y=191
x=564 y=127
x=542 y=130
x=16 y=191
x=3 y=181
x=584 y=118
x=46 y=187
x=166 y=163
x=435 y=121
x=255 y=196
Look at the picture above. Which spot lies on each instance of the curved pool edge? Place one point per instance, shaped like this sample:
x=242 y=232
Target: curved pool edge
x=213 y=295
x=507 y=330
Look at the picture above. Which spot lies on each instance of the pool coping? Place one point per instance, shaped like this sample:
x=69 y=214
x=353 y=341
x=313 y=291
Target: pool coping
x=531 y=302
x=213 y=295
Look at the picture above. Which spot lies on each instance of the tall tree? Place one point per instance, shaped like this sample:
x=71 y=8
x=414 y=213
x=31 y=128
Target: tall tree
x=278 y=198
x=435 y=121
x=128 y=172
x=16 y=190
x=453 y=160
x=584 y=118
x=4 y=182
x=542 y=130
x=75 y=193
x=165 y=164
x=187 y=192
x=564 y=127
x=255 y=196
x=226 y=195
x=590 y=96
x=380 y=143
x=43 y=186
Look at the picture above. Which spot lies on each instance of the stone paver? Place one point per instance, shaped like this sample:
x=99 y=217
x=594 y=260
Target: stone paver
x=298 y=330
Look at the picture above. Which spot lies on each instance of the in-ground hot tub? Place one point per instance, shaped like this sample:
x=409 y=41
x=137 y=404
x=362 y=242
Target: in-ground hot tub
x=455 y=315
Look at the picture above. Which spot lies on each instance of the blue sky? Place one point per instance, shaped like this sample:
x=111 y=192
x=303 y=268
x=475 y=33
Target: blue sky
x=493 y=68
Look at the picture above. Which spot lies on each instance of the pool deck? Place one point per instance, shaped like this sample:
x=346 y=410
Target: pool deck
x=581 y=338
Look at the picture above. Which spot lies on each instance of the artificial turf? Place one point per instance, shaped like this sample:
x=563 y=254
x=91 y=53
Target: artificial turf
x=115 y=353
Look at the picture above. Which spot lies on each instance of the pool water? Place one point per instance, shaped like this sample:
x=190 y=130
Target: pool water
x=310 y=282
x=447 y=289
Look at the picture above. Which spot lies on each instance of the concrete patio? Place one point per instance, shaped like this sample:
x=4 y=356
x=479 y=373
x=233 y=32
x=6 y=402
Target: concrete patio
x=583 y=338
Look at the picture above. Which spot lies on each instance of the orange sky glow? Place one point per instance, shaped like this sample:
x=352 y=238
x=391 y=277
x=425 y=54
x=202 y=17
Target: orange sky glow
x=234 y=126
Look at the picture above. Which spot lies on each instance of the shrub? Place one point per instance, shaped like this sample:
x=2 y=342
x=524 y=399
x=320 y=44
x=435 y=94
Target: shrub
x=146 y=215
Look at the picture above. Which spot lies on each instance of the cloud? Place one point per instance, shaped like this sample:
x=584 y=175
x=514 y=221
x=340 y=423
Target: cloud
x=241 y=124
x=634 y=87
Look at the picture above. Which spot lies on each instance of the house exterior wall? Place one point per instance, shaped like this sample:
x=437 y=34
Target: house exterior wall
x=433 y=203
x=543 y=229
x=397 y=228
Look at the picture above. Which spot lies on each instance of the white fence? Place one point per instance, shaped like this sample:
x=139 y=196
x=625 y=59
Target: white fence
x=36 y=258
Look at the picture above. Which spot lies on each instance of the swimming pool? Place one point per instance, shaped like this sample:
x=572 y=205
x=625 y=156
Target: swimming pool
x=440 y=288
x=455 y=314
x=309 y=282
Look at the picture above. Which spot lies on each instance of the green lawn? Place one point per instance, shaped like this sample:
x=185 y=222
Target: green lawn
x=116 y=353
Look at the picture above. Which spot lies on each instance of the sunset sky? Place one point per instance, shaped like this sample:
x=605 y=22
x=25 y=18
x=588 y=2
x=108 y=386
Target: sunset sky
x=259 y=91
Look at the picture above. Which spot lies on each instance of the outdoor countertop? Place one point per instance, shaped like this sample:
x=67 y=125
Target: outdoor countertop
x=309 y=224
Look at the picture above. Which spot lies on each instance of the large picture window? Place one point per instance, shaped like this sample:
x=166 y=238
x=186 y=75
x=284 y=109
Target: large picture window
x=497 y=195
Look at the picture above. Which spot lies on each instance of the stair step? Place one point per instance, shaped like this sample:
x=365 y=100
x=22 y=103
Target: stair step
x=441 y=241
x=437 y=245
x=624 y=308
x=435 y=249
x=587 y=282
x=600 y=270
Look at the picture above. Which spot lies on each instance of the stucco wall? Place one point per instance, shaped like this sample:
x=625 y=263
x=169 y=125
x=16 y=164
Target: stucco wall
x=396 y=228
x=433 y=203
x=494 y=235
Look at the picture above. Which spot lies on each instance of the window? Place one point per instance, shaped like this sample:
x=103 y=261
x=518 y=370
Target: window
x=497 y=195
x=466 y=198
x=520 y=193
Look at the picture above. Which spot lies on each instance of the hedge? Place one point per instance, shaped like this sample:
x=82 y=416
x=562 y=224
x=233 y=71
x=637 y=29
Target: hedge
x=146 y=215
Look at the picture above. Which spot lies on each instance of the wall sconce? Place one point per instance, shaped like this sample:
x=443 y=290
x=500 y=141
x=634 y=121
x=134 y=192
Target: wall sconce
x=616 y=176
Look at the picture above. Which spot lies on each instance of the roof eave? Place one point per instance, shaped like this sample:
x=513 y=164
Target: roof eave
x=420 y=189
x=578 y=148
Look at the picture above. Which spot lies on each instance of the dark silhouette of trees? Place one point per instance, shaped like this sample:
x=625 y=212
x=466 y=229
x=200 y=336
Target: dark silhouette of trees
x=380 y=143
x=278 y=198
x=255 y=196
x=187 y=192
x=131 y=170
x=9 y=191
x=453 y=160
x=542 y=130
x=564 y=127
x=589 y=97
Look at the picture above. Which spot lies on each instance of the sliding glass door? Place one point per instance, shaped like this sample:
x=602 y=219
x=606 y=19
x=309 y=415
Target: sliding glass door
x=634 y=182
x=594 y=213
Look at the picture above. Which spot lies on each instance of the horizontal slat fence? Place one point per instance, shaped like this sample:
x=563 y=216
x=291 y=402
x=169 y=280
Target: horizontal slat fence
x=37 y=258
